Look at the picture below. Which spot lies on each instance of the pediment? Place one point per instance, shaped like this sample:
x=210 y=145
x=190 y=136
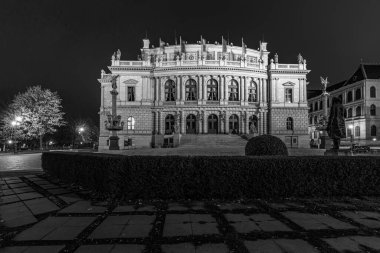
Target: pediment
x=288 y=84
x=130 y=81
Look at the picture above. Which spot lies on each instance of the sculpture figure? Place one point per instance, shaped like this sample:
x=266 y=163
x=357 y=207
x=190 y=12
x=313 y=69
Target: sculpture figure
x=276 y=58
x=324 y=83
x=300 y=59
x=336 y=126
x=118 y=54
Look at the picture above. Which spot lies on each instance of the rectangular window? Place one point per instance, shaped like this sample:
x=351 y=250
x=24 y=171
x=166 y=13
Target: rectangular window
x=289 y=95
x=131 y=94
x=357 y=131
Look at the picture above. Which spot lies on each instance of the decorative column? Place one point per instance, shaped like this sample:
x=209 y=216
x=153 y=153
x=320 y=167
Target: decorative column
x=276 y=89
x=204 y=93
x=183 y=91
x=241 y=92
x=225 y=88
x=114 y=122
x=246 y=122
x=245 y=89
x=205 y=130
x=220 y=88
x=264 y=86
x=322 y=124
x=304 y=84
x=162 y=90
x=177 y=90
x=300 y=96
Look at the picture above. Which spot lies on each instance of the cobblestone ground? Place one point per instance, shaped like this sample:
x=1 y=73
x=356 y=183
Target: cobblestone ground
x=40 y=215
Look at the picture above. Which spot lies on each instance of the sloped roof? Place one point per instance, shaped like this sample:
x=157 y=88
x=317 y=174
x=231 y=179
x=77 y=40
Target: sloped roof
x=372 y=71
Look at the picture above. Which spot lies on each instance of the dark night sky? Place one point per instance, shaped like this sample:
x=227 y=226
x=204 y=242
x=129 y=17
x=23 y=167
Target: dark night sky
x=62 y=45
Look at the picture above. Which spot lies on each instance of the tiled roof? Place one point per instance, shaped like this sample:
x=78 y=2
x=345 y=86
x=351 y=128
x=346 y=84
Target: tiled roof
x=372 y=71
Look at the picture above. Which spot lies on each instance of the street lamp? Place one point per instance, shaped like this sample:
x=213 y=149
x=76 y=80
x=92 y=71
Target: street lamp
x=15 y=123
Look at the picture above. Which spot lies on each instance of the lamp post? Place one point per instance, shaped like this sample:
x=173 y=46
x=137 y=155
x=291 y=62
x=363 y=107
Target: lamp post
x=351 y=127
x=325 y=140
x=113 y=122
x=15 y=123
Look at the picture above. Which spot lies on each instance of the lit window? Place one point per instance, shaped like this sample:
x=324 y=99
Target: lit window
x=289 y=95
x=131 y=94
x=373 y=110
x=212 y=90
x=191 y=90
x=289 y=123
x=252 y=90
x=233 y=89
x=170 y=90
x=131 y=123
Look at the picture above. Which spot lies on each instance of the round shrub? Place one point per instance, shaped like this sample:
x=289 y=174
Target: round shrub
x=265 y=145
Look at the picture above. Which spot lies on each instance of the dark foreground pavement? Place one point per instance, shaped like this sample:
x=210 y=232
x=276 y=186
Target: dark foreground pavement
x=40 y=215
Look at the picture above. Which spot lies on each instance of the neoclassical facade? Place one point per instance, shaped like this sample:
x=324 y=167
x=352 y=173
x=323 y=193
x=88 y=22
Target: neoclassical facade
x=360 y=96
x=205 y=89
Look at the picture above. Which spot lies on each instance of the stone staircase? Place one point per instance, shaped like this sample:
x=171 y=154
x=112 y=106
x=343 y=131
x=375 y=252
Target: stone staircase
x=211 y=140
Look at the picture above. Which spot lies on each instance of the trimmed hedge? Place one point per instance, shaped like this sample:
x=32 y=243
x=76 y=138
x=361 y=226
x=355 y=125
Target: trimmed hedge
x=205 y=177
x=265 y=145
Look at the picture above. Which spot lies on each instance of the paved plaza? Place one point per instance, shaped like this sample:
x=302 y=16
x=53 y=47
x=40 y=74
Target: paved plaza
x=38 y=214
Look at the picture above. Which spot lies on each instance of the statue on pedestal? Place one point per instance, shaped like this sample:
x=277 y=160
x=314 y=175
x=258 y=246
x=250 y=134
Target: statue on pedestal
x=336 y=126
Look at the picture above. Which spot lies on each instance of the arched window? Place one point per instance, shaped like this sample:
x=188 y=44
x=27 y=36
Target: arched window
x=349 y=113
x=170 y=90
x=357 y=131
x=310 y=120
x=320 y=105
x=253 y=124
x=373 y=130
x=191 y=90
x=372 y=92
x=349 y=96
x=233 y=91
x=358 y=94
x=131 y=123
x=372 y=110
x=341 y=98
x=289 y=123
x=212 y=90
x=315 y=119
x=252 y=91
x=289 y=95
x=169 y=124
x=358 y=111
x=316 y=106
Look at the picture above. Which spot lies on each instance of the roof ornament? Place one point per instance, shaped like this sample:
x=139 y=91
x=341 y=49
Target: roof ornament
x=118 y=55
x=324 y=83
x=276 y=58
x=300 y=59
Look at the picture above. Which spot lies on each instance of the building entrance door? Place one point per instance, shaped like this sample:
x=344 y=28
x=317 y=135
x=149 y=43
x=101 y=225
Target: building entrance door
x=212 y=123
x=191 y=124
x=234 y=124
x=291 y=141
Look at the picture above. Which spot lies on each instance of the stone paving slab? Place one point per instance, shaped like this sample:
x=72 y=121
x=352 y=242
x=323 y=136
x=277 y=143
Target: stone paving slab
x=190 y=248
x=55 y=228
x=354 y=243
x=189 y=224
x=236 y=206
x=83 y=207
x=15 y=215
x=279 y=246
x=40 y=206
x=255 y=222
x=29 y=195
x=9 y=199
x=69 y=198
x=316 y=221
x=33 y=249
x=111 y=248
x=23 y=189
x=369 y=219
x=124 y=226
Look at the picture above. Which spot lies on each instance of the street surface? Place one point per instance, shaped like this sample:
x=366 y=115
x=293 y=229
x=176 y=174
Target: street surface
x=19 y=162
